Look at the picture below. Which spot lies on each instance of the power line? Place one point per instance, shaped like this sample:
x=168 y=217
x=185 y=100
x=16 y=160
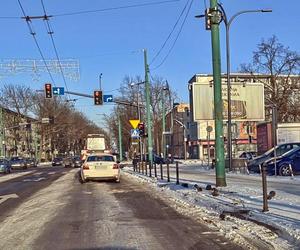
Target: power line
x=50 y=32
x=114 y=8
x=168 y=37
x=179 y=32
x=35 y=40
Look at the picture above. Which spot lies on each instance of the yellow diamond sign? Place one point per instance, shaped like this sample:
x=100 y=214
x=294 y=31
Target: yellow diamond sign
x=134 y=123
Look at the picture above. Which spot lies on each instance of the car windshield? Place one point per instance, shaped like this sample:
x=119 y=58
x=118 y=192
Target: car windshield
x=57 y=159
x=100 y=158
x=77 y=158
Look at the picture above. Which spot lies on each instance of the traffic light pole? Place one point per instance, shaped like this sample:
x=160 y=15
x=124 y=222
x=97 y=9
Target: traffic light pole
x=218 y=104
x=149 y=122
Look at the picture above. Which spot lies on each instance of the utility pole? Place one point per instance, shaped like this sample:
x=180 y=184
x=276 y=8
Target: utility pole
x=218 y=104
x=149 y=120
x=120 y=138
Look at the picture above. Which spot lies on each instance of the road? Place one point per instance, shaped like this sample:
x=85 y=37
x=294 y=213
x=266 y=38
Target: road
x=47 y=208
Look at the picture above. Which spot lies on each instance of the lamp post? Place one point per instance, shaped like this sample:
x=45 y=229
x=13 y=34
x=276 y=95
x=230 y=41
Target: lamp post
x=100 y=78
x=229 y=117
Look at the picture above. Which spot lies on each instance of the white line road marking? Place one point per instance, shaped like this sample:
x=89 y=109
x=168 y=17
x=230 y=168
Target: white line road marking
x=5 y=197
x=52 y=173
x=36 y=180
x=13 y=175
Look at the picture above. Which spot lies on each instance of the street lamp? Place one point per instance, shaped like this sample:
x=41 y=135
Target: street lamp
x=227 y=26
x=100 y=78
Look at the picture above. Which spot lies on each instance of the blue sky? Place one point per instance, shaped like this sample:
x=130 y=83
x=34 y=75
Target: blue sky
x=111 y=42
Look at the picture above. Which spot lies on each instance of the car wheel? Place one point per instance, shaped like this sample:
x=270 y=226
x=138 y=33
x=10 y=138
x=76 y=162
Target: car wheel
x=285 y=170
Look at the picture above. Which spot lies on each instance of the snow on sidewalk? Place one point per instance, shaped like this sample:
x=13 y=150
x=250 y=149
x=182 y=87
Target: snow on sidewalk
x=283 y=217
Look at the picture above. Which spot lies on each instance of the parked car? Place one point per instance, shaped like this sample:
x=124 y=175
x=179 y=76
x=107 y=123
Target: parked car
x=5 y=166
x=253 y=165
x=17 y=162
x=57 y=161
x=289 y=161
x=100 y=167
x=77 y=162
x=67 y=162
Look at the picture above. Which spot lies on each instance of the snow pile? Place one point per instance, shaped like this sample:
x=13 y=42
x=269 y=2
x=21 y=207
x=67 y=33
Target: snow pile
x=236 y=210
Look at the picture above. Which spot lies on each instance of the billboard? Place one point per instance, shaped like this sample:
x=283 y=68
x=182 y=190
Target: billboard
x=247 y=102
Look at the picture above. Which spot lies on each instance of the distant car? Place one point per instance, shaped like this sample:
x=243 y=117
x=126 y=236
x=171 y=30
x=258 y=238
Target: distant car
x=100 y=167
x=31 y=162
x=5 y=166
x=17 y=162
x=285 y=163
x=248 y=155
x=77 y=162
x=253 y=165
x=57 y=161
x=67 y=162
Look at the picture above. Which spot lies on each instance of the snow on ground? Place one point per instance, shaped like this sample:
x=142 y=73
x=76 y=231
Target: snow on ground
x=283 y=218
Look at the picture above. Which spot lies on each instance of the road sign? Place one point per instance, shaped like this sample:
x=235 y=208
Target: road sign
x=135 y=133
x=108 y=98
x=134 y=123
x=58 y=90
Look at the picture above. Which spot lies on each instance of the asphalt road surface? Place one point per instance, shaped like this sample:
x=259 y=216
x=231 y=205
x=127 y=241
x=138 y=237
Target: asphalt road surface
x=47 y=208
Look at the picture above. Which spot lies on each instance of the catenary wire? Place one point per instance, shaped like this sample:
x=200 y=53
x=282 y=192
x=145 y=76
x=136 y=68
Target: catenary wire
x=113 y=8
x=171 y=32
x=35 y=40
x=50 y=32
x=179 y=32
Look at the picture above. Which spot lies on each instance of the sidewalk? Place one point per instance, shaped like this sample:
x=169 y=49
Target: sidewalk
x=237 y=202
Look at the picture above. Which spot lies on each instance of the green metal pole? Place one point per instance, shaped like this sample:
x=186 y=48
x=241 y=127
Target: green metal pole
x=149 y=120
x=1 y=133
x=218 y=104
x=163 y=125
x=120 y=139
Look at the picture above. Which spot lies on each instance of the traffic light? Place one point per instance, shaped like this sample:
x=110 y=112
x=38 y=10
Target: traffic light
x=98 y=97
x=48 y=90
x=141 y=128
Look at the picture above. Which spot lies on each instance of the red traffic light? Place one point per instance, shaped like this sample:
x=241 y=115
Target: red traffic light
x=98 y=97
x=48 y=90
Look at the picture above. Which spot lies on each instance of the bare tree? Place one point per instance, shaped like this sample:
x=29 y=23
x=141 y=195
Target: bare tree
x=281 y=67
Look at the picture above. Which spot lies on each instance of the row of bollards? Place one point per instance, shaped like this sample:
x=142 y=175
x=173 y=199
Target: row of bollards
x=142 y=167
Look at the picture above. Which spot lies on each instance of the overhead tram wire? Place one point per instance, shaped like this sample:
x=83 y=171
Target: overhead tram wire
x=35 y=40
x=171 y=32
x=114 y=8
x=50 y=32
x=179 y=32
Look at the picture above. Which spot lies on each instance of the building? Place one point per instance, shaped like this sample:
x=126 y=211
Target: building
x=19 y=134
x=177 y=121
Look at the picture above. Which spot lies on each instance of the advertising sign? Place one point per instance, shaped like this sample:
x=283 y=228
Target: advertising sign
x=247 y=101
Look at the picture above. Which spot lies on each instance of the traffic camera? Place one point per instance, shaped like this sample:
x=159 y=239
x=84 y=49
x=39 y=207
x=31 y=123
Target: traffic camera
x=48 y=90
x=98 y=97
